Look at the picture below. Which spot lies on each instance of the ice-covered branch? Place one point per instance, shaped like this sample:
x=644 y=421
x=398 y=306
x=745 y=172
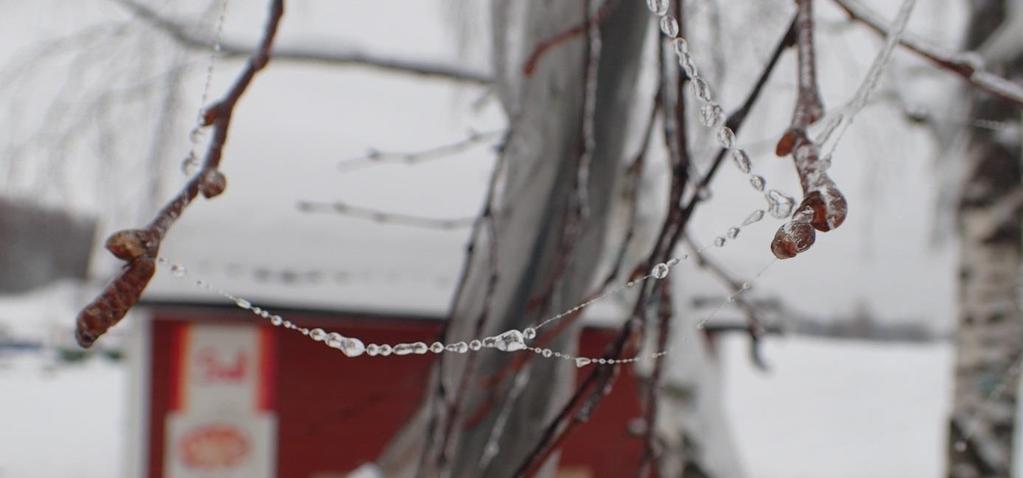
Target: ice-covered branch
x=965 y=65
x=139 y=247
x=332 y=56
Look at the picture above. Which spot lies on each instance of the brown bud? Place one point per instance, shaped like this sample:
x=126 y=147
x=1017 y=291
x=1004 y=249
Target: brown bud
x=792 y=238
x=787 y=143
x=130 y=244
x=114 y=302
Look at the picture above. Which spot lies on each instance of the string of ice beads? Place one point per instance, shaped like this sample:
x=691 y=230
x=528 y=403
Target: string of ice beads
x=196 y=134
x=509 y=341
x=712 y=115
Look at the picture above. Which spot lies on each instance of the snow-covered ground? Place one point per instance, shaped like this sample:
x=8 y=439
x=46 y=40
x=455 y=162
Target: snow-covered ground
x=839 y=409
x=827 y=409
x=59 y=421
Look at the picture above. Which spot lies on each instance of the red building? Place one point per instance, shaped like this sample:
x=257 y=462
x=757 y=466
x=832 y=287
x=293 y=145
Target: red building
x=224 y=394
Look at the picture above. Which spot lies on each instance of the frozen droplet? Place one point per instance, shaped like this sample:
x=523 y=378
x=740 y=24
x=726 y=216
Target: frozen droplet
x=733 y=232
x=660 y=271
x=276 y=320
x=669 y=26
x=403 y=349
x=529 y=333
x=582 y=362
x=741 y=160
x=352 y=347
x=455 y=347
x=681 y=46
x=372 y=350
x=243 y=303
x=317 y=334
x=757 y=182
x=726 y=137
x=657 y=7
x=510 y=341
x=490 y=342
x=711 y=115
x=745 y=286
x=753 y=217
x=420 y=348
x=547 y=353
x=688 y=64
x=780 y=205
x=190 y=163
x=436 y=347
x=703 y=193
x=602 y=361
x=178 y=270
x=385 y=350
x=719 y=241
x=334 y=340
x=475 y=345
x=701 y=89
x=212 y=184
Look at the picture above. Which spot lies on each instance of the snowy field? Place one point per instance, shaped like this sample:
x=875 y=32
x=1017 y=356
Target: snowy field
x=826 y=410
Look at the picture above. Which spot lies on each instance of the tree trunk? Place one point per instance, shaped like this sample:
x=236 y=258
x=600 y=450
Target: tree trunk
x=990 y=326
x=545 y=262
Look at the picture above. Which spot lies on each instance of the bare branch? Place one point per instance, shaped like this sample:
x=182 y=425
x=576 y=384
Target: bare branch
x=962 y=64
x=139 y=248
x=385 y=217
x=380 y=157
x=309 y=53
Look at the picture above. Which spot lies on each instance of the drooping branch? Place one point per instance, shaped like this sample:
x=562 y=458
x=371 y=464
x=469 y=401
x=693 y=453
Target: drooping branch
x=593 y=387
x=139 y=247
x=331 y=56
x=962 y=64
x=823 y=206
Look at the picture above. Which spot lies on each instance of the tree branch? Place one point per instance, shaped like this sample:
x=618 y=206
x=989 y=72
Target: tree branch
x=139 y=247
x=309 y=53
x=959 y=63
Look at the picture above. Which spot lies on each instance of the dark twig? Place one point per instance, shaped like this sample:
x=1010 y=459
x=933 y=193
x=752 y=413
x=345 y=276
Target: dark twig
x=453 y=408
x=583 y=27
x=139 y=247
x=755 y=327
x=374 y=157
x=959 y=63
x=593 y=387
x=384 y=217
x=665 y=310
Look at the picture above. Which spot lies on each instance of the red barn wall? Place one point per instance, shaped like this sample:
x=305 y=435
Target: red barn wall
x=334 y=413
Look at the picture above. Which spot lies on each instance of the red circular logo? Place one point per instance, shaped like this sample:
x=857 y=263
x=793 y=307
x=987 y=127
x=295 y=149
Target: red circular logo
x=214 y=446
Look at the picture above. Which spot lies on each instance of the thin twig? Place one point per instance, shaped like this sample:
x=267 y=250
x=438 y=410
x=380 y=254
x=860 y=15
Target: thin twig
x=755 y=327
x=593 y=387
x=385 y=217
x=547 y=45
x=139 y=247
x=374 y=157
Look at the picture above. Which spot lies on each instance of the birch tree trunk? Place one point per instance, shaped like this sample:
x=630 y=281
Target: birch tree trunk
x=990 y=326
